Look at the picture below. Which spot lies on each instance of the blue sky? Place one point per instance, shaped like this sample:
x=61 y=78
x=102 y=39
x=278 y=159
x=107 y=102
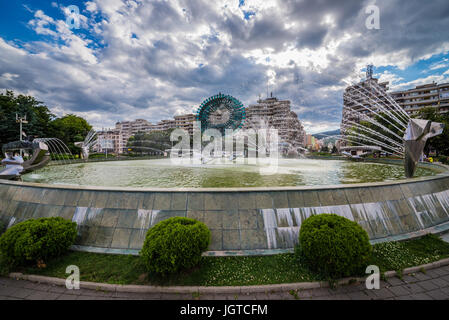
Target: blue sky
x=154 y=59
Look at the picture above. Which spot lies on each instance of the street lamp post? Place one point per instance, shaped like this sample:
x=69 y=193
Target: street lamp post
x=21 y=120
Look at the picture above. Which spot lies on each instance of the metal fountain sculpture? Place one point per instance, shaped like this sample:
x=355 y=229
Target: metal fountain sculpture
x=415 y=137
x=88 y=142
x=15 y=165
x=39 y=151
x=394 y=131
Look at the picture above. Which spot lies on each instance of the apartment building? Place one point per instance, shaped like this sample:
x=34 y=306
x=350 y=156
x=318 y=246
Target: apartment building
x=277 y=114
x=362 y=100
x=185 y=122
x=108 y=141
x=428 y=95
x=115 y=140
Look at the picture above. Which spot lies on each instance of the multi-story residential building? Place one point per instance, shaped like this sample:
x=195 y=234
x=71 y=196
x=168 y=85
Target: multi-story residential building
x=277 y=114
x=185 y=122
x=363 y=99
x=313 y=143
x=115 y=140
x=428 y=95
x=108 y=141
x=369 y=97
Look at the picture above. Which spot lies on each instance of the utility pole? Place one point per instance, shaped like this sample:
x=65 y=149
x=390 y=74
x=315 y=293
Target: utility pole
x=21 y=120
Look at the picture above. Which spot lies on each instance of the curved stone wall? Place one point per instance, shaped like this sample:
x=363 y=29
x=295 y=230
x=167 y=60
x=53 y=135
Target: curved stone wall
x=116 y=219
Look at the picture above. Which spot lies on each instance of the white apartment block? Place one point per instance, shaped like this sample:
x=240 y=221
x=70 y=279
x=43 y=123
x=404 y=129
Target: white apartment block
x=428 y=95
x=115 y=140
x=277 y=114
x=363 y=100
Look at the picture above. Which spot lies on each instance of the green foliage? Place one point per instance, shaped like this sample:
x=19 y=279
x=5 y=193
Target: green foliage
x=58 y=156
x=151 y=142
x=440 y=142
x=36 y=240
x=385 y=125
x=444 y=159
x=174 y=244
x=70 y=129
x=37 y=114
x=400 y=255
x=334 y=246
x=2 y=227
x=97 y=155
x=41 y=122
x=325 y=149
x=233 y=270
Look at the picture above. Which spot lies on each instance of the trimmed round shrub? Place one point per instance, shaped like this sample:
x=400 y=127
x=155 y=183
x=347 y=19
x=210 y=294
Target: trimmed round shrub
x=36 y=240
x=174 y=244
x=334 y=246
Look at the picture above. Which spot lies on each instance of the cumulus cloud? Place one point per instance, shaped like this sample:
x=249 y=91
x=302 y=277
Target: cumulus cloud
x=154 y=59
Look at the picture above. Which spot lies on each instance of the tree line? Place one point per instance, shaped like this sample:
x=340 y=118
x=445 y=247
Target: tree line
x=41 y=122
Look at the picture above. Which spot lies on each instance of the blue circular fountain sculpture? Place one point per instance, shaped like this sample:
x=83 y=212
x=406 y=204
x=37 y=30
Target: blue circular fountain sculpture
x=221 y=112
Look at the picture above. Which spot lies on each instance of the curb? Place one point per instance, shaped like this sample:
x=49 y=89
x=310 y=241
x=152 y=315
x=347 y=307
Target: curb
x=272 y=288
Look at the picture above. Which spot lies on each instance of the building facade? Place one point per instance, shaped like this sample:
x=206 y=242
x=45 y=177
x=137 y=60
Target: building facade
x=362 y=100
x=115 y=140
x=271 y=111
x=277 y=114
x=428 y=95
x=369 y=97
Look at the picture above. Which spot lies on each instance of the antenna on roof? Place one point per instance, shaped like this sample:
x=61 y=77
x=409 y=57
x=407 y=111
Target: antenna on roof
x=369 y=71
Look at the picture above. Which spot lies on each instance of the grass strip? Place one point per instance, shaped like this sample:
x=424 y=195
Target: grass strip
x=235 y=271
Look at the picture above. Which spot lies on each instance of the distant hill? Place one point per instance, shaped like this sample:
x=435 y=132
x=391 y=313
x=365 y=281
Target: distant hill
x=325 y=134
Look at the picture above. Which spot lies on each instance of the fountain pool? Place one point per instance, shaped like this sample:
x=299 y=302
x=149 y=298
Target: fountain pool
x=114 y=203
x=162 y=174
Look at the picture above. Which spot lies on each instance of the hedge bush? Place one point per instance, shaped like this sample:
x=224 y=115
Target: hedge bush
x=36 y=240
x=334 y=246
x=2 y=227
x=443 y=159
x=174 y=244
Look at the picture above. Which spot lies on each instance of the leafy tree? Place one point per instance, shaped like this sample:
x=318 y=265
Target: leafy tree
x=41 y=122
x=70 y=129
x=155 y=141
x=440 y=142
x=37 y=115
x=386 y=128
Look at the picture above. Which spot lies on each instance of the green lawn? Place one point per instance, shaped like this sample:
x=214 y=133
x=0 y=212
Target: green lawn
x=235 y=271
x=230 y=271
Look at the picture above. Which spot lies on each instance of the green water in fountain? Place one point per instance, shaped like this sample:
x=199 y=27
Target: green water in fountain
x=162 y=174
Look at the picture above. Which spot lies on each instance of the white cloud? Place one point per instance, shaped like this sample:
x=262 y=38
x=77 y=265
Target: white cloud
x=152 y=60
x=421 y=81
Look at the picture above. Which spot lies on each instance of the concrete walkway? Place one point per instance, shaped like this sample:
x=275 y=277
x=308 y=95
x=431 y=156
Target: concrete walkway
x=431 y=285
